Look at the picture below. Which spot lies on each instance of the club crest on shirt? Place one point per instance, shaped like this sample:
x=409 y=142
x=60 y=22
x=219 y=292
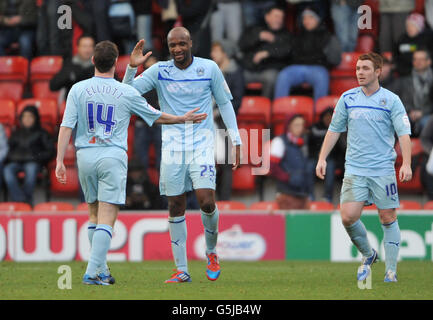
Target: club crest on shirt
x=382 y=102
x=200 y=71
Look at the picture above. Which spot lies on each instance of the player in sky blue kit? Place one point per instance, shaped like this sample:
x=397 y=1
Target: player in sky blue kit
x=100 y=109
x=371 y=115
x=187 y=160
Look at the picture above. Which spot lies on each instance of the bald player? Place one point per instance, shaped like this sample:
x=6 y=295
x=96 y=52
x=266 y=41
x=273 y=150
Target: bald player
x=187 y=162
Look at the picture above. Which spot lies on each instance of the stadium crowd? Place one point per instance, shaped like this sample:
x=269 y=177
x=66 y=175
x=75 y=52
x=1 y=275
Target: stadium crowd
x=285 y=61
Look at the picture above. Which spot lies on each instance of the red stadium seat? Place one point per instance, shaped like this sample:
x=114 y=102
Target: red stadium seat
x=410 y=205
x=230 y=205
x=416 y=150
x=321 y=206
x=324 y=103
x=428 y=205
x=264 y=205
x=14 y=69
x=82 y=207
x=122 y=63
x=15 y=206
x=42 y=69
x=54 y=206
x=347 y=66
x=72 y=185
x=70 y=155
x=254 y=86
x=11 y=90
x=413 y=186
x=243 y=179
x=255 y=108
x=47 y=111
x=7 y=112
x=283 y=107
x=365 y=43
x=340 y=85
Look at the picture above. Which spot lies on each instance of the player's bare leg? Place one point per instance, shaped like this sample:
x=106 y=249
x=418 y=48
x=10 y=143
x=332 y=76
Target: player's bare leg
x=178 y=233
x=391 y=241
x=350 y=216
x=106 y=216
x=210 y=218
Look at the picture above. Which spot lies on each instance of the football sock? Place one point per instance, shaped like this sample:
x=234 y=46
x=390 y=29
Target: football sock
x=100 y=245
x=178 y=233
x=90 y=231
x=391 y=241
x=210 y=223
x=358 y=235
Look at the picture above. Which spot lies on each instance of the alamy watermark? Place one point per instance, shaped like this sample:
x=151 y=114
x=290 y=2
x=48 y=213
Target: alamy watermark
x=65 y=19
x=365 y=284
x=365 y=20
x=65 y=280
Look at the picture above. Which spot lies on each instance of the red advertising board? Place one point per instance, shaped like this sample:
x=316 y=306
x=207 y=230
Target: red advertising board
x=138 y=236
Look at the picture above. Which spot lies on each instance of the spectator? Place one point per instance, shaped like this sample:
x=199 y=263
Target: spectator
x=145 y=135
x=253 y=11
x=169 y=17
x=121 y=17
x=415 y=91
x=414 y=38
x=3 y=151
x=143 y=14
x=426 y=139
x=196 y=18
x=335 y=159
x=226 y=20
x=265 y=50
x=392 y=13
x=17 y=23
x=77 y=68
x=345 y=17
x=314 y=50
x=386 y=77
x=291 y=167
x=222 y=53
x=30 y=148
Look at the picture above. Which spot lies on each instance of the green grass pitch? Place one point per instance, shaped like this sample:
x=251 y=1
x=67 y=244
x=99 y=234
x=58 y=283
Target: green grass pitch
x=238 y=281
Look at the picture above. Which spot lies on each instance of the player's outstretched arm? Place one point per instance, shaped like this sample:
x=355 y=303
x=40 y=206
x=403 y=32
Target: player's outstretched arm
x=64 y=137
x=405 y=173
x=190 y=116
x=329 y=142
x=137 y=58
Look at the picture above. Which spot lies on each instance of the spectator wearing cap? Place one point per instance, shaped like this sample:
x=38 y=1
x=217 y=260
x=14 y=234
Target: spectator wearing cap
x=415 y=37
x=314 y=50
x=222 y=52
x=392 y=14
x=265 y=50
x=291 y=167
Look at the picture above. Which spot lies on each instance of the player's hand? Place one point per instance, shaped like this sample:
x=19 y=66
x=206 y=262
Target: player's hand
x=191 y=116
x=321 y=169
x=237 y=150
x=405 y=173
x=61 y=172
x=137 y=58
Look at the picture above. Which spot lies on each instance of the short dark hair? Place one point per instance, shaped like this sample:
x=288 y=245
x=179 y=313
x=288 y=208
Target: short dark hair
x=424 y=49
x=274 y=7
x=105 y=55
x=84 y=36
x=374 y=57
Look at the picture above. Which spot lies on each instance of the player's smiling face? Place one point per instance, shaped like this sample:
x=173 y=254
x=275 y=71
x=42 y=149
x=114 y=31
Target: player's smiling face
x=365 y=73
x=180 y=46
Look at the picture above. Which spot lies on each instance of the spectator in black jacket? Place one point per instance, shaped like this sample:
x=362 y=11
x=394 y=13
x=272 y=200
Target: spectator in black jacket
x=30 y=147
x=415 y=38
x=77 y=68
x=314 y=50
x=265 y=50
x=222 y=53
x=196 y=16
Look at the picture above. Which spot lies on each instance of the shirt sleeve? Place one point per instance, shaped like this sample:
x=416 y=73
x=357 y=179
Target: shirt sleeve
x=399 y=118
x=145 y=82
x=71 y=112
x=139 y=106
x=219 y=87
x=339 y=118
